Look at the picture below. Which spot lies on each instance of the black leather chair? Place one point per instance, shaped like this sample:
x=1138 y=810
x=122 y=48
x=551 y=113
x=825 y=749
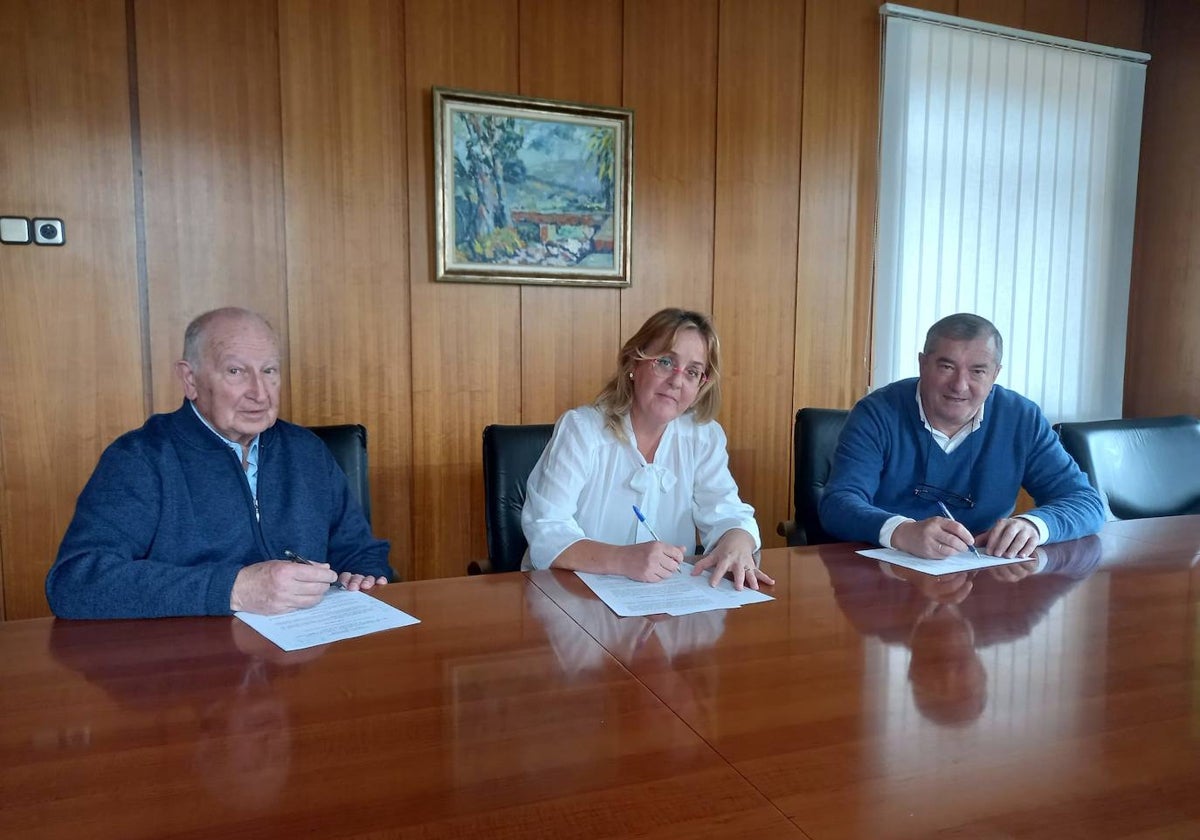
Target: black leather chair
x=815 y=438
x=348 y=443
x=1147 y=466
x=509 y=453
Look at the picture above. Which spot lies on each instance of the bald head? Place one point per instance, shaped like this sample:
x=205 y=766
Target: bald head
x=195 y=334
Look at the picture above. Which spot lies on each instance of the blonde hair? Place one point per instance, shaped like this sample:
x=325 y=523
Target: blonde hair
x=660 y=332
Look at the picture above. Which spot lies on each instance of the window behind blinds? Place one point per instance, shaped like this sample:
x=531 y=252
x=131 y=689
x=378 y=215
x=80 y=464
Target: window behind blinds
x=1008 y=171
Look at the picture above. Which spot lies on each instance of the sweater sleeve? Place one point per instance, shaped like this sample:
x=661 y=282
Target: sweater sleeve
x=1062 y=496
x=847 y=509
x=716 y=506
x=102 y=570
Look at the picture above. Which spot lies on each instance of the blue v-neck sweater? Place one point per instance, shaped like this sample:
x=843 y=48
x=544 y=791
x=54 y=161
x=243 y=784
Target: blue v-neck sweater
x=885 y=452
x=167 y=521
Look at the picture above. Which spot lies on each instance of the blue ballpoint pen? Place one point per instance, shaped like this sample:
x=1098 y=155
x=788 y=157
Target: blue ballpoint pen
x=642 y=519
x=946 y=513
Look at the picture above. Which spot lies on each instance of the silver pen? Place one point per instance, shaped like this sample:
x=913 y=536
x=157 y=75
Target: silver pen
x=946 y=513
x=288 y=554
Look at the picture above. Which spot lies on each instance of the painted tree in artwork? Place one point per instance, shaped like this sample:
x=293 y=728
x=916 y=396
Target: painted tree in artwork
x=602 y=153
x=491 y=144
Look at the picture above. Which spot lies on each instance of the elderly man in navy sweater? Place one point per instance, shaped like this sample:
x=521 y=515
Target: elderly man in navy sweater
x=953 y=437
x=192 y=513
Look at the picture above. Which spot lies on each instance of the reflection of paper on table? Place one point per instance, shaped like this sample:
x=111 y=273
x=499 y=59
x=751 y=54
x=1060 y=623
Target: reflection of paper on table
x=342 y=614
x=680 y=594
x=964 y=561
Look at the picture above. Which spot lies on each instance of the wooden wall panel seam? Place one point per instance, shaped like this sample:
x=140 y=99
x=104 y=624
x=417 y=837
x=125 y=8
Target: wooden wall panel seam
x=139 y=206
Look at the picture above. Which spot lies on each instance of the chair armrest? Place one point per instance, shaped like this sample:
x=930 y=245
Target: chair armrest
x=793 y=532
x=479 y=567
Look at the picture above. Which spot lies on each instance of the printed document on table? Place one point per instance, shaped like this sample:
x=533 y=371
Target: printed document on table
x=964 y=561
x=342 y=614
x=680 y=594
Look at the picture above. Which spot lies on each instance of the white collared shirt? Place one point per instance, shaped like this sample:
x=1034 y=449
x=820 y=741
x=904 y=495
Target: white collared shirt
x=587 y=481
x=947 y=443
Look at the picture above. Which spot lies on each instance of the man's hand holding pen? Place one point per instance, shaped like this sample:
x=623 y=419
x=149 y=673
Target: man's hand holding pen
x=279 y=586
x=935 y=538
x=346 y=580
x=293 y=583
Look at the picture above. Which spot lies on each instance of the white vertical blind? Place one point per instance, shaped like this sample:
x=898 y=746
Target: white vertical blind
x=1008 y=172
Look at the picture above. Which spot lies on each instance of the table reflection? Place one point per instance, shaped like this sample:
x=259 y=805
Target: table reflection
x=944 y=621
x=634 y=640
x=219 y=692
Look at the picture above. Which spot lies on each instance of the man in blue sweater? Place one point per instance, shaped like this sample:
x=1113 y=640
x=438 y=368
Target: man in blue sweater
x=954 y=437
x=192 y=513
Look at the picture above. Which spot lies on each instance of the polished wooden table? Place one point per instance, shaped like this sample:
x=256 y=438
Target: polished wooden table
x=1065 y=703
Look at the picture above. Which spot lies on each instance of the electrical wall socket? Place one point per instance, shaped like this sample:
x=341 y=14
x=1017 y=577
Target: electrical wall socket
x=48 y=232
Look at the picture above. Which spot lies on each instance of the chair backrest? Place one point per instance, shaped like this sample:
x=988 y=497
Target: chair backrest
x=1148 y=466
x=509 y=455
x=348 y=443
x=815 y=439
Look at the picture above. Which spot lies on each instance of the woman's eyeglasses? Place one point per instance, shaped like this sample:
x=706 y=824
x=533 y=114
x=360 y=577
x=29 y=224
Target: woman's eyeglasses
x=664 y=367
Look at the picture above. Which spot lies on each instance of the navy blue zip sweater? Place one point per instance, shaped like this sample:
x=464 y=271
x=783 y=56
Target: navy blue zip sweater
x=167 y=521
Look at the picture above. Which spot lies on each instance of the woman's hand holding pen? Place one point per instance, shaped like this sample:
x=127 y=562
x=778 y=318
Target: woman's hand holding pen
x=650 y=561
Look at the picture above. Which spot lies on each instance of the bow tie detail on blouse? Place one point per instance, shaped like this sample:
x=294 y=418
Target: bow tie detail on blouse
x=651 y=475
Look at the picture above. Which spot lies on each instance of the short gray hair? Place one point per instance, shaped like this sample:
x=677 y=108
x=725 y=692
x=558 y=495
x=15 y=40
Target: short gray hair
x=963 y=326
x=195 y=334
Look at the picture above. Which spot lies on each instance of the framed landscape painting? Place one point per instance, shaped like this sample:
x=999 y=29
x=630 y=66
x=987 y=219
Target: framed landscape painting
x=531 y=190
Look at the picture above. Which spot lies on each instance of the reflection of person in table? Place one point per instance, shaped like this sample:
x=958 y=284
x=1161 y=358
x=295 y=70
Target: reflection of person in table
x=223 y=674
x=945 y=620
x=659 y=644
x=953 y=437
x=649 y=440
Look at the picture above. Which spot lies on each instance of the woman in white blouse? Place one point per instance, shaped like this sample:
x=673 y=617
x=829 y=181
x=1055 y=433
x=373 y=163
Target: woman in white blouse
x=648 y=441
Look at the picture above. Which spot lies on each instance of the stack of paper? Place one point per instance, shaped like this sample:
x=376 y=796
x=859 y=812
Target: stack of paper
x=681 y=594
x=340 y=615
x=964 y=561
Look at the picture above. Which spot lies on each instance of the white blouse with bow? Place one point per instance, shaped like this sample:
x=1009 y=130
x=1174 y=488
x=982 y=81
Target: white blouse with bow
x=586 y=483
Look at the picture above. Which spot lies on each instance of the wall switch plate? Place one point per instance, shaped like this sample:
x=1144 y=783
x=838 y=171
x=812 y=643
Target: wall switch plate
x=14 y=230
x=48 y=231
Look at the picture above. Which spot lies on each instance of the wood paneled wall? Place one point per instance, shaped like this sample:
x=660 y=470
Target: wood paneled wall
x=1162 y=367
x=71 y=376
x=277 y=154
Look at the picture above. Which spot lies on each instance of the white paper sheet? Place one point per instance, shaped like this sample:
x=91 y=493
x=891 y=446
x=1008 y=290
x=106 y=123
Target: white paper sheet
x=964 y=561
x=681 y=594
x=342 y=614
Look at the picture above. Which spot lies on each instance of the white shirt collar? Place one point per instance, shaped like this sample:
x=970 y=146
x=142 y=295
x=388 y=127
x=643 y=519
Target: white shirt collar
x=945 y=441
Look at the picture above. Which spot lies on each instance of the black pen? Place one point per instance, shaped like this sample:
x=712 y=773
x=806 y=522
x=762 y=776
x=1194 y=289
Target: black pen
x=946 y=512
x=288 y=554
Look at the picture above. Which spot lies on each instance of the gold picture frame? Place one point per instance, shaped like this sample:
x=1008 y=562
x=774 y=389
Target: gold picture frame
x=531 y=190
